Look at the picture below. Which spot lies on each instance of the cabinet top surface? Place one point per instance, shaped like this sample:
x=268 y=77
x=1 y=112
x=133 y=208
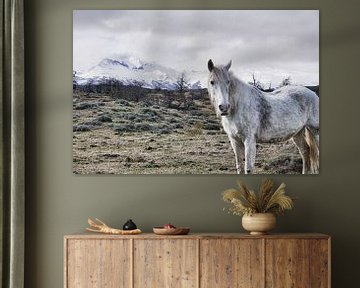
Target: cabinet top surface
x=87 y=235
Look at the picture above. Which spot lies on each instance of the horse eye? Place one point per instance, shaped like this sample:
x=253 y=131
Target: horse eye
x=212 y=82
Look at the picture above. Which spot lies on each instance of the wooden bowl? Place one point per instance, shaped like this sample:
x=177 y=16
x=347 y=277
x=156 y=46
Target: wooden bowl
x=171 y=231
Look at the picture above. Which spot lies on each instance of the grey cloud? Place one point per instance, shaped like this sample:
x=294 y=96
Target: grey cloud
x=186 y=39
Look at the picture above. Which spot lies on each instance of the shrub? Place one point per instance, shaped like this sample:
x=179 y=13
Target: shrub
x=153 y=119
x=148 y=112
x=142 y=127
x=104 y=118
x=92 y=123
x=82 y=128
x=211 y=132
x=177 y=126
x=196 y=129
x=129 y=116
x=84 y=105
x=87 y=105
x=123 y=102
x=163 y=131
x=212 y=126
x=196 y=113
x=173 y=120
x=126 y=127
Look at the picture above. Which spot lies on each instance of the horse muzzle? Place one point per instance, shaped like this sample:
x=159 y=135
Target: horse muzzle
x=224 y=109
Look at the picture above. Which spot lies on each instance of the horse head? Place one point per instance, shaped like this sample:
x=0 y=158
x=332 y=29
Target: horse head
x=219 y=87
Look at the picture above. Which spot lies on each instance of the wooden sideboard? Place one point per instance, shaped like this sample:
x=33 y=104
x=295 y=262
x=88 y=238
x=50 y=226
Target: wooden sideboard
x=197 y=260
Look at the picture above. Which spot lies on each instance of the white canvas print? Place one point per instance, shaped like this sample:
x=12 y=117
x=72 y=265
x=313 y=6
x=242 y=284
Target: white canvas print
x=196 y=92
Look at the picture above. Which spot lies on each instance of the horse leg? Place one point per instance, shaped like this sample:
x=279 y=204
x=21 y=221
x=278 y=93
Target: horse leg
x=312 y=139
x=238 y=148
x=250 y=153
x=301 y=144
x=315 y=133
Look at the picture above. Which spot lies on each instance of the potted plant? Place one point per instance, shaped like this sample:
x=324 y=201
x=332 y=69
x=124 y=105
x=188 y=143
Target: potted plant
x=258 y=210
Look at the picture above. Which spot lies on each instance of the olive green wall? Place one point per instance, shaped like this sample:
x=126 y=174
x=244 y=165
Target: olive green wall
x=59 y=202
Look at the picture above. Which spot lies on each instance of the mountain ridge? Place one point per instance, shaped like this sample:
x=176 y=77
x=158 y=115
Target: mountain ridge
x=132 y=71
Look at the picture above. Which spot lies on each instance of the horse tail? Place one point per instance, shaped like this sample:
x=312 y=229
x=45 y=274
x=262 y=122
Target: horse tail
x=313 y=151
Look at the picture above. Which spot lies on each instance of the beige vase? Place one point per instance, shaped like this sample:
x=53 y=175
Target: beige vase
x=259 y=223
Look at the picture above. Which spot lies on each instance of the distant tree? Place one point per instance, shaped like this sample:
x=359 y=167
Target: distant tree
x=113 y=87
x=256 y=83
x=269 y=89
x=157 y=86
x=182 y=86
x=101 y=86
x=74 y=80
x=169 y=98
x=138 y=92
x=285 y=82
x=89 y=86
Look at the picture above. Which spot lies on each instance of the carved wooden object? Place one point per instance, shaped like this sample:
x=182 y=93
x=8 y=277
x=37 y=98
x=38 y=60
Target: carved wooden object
x=100 y=227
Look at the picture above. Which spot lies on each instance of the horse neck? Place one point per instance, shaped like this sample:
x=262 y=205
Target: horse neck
x=241 y=91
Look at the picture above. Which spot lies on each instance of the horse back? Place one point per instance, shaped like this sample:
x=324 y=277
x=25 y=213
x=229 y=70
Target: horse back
x=288 y=110
x=295 y=98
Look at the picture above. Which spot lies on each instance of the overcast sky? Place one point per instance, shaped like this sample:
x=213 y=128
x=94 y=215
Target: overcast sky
x=271 y=44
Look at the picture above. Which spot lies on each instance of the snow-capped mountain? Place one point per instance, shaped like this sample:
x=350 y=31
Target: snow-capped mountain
x=134 y=71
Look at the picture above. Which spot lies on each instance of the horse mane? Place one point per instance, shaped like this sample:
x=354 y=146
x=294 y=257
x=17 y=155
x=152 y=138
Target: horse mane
x=243 y=86
x=241 y=89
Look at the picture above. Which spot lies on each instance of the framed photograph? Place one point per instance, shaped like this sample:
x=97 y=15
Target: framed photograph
x=196 y=92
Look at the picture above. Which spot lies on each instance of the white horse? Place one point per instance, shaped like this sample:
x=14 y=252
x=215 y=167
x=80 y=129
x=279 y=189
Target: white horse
x=249 y=115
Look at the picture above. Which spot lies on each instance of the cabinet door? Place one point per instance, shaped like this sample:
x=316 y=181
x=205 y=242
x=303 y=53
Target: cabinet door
x=231 y=263
x=320 y=263
x=288 y=263
x=165 y=263
x=98 y=263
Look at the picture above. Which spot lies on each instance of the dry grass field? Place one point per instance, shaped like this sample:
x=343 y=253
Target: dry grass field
x=117 y=136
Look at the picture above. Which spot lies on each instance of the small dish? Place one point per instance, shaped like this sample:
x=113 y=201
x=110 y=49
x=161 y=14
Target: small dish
x=171 y=231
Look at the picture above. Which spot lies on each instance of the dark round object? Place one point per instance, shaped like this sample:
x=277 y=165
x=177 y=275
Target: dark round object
x=129 y=225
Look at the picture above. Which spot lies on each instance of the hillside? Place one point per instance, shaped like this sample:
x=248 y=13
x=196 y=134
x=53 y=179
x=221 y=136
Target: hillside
x=113 y=135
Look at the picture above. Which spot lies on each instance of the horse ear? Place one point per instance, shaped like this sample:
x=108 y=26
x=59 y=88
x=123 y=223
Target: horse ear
x=210 y=65
x=227 y=66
